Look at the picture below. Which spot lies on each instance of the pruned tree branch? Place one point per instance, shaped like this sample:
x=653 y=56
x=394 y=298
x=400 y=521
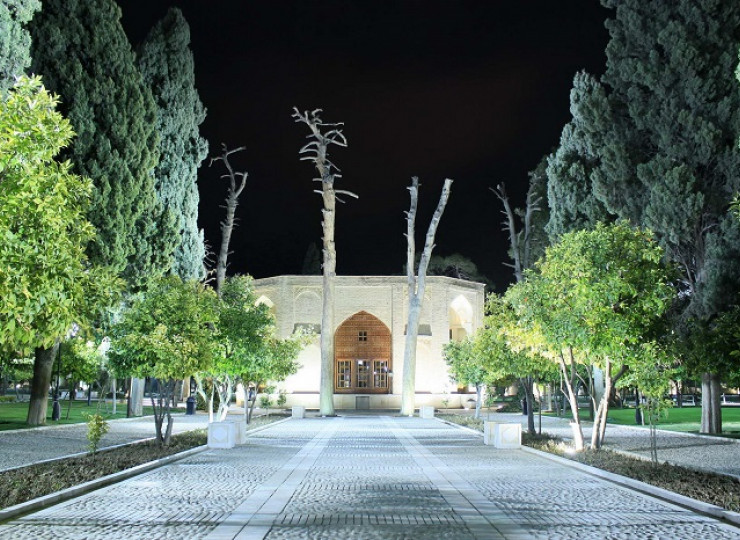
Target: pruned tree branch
x=237 y=182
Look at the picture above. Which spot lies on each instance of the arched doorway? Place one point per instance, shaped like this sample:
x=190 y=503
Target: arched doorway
x=362 y=356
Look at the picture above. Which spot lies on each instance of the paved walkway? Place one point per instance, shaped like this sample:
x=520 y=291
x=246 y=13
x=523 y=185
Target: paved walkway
x=365 y=478
x=25 y=446
x=701 y=452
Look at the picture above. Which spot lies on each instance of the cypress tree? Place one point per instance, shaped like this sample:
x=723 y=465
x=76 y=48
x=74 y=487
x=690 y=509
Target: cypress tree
x=15 y=41
x=667 y=111
x=81 y=51
x=570 y=191
x=672 y=162
x=166 y=64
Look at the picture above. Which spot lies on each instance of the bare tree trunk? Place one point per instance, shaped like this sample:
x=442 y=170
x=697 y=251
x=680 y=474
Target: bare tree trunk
x=317 y=151
x=416 y=285
x=711 y=401
x=326 y=386
x=42 y=368
x=519 y=253
x=232 y=200
x=136 y=397
x=599 y=427
x=573 y=401
x=527 y=384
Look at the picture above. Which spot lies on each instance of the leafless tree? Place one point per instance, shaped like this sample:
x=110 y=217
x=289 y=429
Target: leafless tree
x=237 y=181
x=416 y=285
x=317 y=151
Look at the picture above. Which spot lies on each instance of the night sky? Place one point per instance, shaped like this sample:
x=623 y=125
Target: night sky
x=476 y=91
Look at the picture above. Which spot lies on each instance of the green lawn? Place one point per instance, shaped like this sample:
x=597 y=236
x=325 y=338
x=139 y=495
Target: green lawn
x=13 y=415
x=681 y=419
x=685 y=419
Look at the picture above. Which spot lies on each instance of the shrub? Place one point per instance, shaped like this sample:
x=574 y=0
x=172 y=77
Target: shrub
x=96 y=428
x=282 y=398
x=265 y=401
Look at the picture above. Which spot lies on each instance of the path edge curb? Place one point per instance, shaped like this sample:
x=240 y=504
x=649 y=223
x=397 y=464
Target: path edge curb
x=51 y=499
x=696 y=505
x=75 y=491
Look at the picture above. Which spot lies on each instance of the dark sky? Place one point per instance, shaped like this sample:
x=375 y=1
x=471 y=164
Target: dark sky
x=476 y=91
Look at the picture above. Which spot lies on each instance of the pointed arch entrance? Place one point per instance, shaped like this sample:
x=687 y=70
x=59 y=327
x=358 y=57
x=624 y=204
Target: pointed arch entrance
x=362 y=356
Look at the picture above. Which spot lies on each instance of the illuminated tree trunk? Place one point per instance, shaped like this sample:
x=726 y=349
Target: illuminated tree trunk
x=317 y=151
x=711 y=413
x=237 y=180
x=416 y=285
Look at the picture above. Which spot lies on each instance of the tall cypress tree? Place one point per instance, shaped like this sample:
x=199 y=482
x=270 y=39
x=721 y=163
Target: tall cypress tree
x=672 y=162
x=166 y=64
x=81 y=51
x=667 y=158
x=570 y=192
x=15 y=41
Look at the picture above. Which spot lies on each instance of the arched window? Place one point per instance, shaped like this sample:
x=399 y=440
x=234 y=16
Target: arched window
x=362 y=355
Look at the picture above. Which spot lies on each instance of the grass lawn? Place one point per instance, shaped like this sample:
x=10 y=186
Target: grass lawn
x=681 y=419
x=685 y=419
x=13 y=415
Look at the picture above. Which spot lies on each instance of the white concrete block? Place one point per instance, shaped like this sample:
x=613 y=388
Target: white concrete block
x=221 y=435
x=298 y=411
x=488 y=432
x=240 y=429
x=507 y=436
x=426 y=411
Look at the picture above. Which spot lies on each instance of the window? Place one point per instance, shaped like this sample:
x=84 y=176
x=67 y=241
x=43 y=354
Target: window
x=380 y=373
x=363 y=374
x=344 y=374
x=362 y=335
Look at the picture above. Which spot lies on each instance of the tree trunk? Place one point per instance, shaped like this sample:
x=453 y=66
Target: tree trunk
x=599 y=427
x=416 y=286
x=573 y=401
x=479 y=396
x=232 y=200
x=527 y=384
x=711 y=401
x=42 y=368
x=136 y=397
x=326 y=387
x=318 y=152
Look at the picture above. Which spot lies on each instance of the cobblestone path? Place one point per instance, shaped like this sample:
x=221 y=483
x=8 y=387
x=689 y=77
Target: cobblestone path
x=365 y=478
x=25 y=446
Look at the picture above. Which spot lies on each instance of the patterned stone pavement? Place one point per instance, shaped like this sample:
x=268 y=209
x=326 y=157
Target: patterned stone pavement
x=365 y=478
x=25 y=446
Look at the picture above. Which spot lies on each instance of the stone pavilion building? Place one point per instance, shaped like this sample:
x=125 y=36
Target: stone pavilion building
x=369 y=332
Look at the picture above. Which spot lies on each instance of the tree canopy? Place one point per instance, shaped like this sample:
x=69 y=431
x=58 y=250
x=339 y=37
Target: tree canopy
x=15 y=41
x=167 y=66
x=82 y=52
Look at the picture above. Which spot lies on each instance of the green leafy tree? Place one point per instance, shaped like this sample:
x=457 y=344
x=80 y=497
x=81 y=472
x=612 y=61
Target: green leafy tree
x=467 y=368
x=167 y=66
x=167 y=334
x=15 y=41
x=311 y=261
x=82 y=52
x=602 y=293
x=243 y=328
x=46 y=283
x=505 y=357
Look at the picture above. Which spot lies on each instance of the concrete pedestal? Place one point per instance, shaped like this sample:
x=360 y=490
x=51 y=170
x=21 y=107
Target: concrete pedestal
x=298 y=411
x=426 y=411
x=221 y=435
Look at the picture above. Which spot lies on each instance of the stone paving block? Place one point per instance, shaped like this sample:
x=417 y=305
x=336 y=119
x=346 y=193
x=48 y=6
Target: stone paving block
x=366 y=478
